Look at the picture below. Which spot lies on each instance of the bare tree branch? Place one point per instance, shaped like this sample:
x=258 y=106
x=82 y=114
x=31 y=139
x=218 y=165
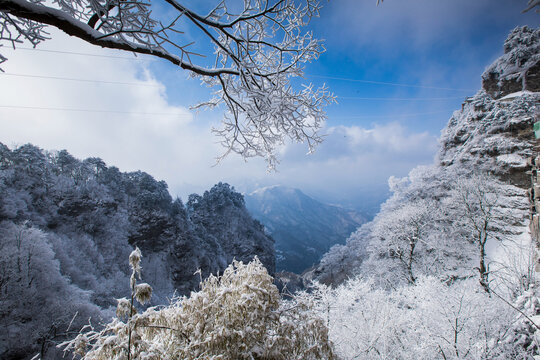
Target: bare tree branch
x=257 y=50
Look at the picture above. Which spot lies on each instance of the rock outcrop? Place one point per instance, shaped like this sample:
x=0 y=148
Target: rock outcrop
x=519 y=68
x=491 y=134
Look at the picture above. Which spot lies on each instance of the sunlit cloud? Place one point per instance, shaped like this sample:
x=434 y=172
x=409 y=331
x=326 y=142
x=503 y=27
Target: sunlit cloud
x=134 y=126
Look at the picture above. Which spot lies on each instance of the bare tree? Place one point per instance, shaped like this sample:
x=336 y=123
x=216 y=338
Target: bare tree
x=257 y=49
x=476 y=200
x=403 y=230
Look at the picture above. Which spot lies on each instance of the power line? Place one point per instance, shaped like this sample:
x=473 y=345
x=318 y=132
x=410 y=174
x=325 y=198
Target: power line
x=82 y=110
x=156 y=85
x=154 y=113
x=385 y=83
x=398 y=99
x=387 y=116
x=312 y=75
x=76 y=79
x=80 y=53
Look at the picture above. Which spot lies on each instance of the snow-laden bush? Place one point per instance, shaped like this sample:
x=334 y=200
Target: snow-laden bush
x=237 y=315
x=522 y=340
x=429 y=320
x=37 y=302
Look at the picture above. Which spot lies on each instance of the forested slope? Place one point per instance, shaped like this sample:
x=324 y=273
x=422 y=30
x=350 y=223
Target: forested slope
x=448 y=269
x=68 y=226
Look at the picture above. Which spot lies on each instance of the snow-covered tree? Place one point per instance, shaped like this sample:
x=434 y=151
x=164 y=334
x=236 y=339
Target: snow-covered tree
x=403 y=231
x=429 y=320
x=475 y=214
x=37 y=303
x=257 y=48
x=82 y=219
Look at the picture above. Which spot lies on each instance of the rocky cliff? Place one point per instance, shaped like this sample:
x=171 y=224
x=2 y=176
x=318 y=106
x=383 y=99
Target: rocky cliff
x=491 y=134
x=518 y=69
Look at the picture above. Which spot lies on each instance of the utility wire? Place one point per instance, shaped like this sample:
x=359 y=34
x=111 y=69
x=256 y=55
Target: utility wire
x=397 y=99
x=156 y=85
x=308 y=75
x=385 y=83
x=80 y=53
x=82 y=110
x=154 y=113
x=76 y=79
x=388 y=116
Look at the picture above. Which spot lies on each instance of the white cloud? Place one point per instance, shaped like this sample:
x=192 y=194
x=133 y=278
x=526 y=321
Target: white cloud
x=349 y=167
x=142 y=131
x=356 y=158
x=178 y=147
x=417 y=23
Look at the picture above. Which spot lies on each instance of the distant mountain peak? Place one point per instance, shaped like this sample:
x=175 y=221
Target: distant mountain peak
x=302 y=227
x=276 y=189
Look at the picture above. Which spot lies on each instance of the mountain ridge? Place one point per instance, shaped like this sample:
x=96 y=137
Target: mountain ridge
x=302 y=227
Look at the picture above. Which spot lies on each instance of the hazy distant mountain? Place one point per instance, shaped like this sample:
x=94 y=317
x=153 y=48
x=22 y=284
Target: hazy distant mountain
x=302 y=227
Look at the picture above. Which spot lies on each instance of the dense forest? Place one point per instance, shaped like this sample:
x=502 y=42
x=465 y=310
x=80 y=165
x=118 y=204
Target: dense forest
x=68 y=226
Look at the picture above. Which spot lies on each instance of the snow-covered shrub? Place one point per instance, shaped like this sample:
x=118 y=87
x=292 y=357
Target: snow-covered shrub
x=37 y=302
x=430 y=320
x=522 y=340
x=237 y=315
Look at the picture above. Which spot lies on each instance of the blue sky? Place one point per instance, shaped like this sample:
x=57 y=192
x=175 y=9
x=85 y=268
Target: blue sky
x=445 y=44
x=433 y=52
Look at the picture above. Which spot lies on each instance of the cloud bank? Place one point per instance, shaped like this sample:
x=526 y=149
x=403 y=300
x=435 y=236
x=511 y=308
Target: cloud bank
x=134 y=126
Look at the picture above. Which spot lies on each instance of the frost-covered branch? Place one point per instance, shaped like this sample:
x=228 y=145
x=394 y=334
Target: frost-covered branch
x=256 y=52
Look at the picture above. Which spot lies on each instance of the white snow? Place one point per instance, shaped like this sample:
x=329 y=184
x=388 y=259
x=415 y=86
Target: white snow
x=512 y=160
x=516 y=94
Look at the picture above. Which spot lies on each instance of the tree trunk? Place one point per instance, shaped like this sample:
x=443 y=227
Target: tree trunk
x=482 y=269
x=412 y=245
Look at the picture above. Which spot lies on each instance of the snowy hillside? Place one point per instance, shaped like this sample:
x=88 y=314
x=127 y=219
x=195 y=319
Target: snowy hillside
x=489 y=135
x=450 y=254
x=68 y=226
x=302 y=227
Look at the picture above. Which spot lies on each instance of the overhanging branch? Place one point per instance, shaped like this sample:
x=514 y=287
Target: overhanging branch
x=69 y=25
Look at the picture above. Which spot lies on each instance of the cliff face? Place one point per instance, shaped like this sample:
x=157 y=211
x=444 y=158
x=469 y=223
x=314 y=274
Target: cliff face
x=493 y=130
x=518 y=69
x=492 y=134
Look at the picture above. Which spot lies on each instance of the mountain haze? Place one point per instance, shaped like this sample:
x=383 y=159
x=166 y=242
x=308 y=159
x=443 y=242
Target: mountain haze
x=302 y=227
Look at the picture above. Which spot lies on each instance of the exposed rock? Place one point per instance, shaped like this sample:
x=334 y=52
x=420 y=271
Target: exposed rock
x=518 y=69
